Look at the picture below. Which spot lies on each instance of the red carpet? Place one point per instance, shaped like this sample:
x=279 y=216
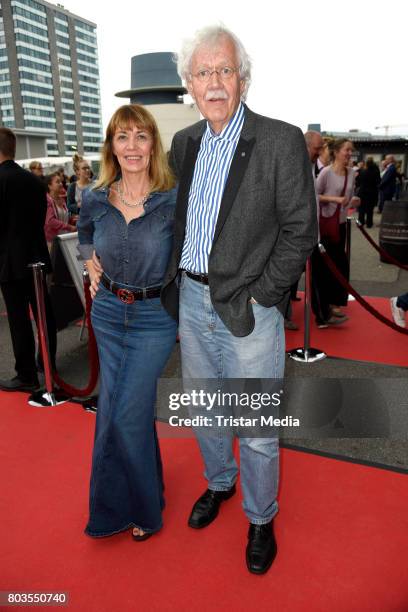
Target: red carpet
x=362 y=338
x=342 y=531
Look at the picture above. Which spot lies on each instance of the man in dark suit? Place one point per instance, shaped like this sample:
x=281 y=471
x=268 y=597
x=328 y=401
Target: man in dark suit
x=245 y=223
x=23 y=207
x=388 y=181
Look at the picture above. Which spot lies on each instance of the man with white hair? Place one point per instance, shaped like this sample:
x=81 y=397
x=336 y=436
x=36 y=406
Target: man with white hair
x=245 y=225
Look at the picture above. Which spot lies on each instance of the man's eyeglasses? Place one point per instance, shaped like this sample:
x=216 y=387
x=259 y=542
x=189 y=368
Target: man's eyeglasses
x=225 y=73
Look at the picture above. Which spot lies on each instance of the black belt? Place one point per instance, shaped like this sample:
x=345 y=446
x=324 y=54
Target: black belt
x=200 y=278
x=127 y=296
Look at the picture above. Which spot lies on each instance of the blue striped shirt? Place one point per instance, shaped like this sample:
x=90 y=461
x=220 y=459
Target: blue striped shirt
x=207 y=187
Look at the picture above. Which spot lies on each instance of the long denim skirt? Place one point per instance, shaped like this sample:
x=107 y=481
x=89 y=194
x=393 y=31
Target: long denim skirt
x=134 y=344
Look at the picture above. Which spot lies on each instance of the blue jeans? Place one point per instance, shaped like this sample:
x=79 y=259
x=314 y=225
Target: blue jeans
x=209 y=350
x=134 y=343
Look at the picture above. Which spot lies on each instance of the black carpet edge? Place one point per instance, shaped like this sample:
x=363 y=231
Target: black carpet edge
x=373 y=464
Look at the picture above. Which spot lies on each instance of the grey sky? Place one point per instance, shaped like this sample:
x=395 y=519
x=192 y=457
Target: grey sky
x=340 y=64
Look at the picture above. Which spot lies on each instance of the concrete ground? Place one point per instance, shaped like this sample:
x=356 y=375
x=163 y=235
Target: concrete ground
x=368 y=276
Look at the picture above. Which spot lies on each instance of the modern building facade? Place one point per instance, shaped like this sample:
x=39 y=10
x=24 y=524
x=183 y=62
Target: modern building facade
x=49 y=75
x=156 y=84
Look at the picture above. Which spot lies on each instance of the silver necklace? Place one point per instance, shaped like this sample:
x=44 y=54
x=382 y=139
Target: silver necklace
x=140 y=202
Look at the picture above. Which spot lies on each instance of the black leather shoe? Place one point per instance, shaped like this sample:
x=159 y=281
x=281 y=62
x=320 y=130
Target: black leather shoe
x=17 y=384
x=261 y=549
x=206 y=508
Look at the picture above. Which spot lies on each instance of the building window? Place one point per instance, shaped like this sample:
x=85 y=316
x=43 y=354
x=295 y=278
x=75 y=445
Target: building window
x=30 y=76
x=35 y=65
x=31 y=41
x=86 y=58
x=82 y=68
x=35 y=5
x=32 y=53
x=37 y=112
x=28 y=27
x=17 y=10
x=39 y=124
x=35 y=89
x=85 y=47
x=38 y=102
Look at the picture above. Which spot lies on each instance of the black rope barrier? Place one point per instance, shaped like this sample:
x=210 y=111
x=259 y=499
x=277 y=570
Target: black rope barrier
x=380 y=250
x=332 y=267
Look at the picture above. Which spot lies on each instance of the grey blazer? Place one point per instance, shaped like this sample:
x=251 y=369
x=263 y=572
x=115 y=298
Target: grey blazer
x=266 y=226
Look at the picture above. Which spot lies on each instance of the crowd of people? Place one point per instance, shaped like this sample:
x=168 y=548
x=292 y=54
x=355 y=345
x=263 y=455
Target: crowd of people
x=213 y=240
x=342 y=185
x=64 y=196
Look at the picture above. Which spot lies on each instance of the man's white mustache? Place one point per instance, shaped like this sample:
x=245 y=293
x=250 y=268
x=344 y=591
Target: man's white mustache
x=216 y=94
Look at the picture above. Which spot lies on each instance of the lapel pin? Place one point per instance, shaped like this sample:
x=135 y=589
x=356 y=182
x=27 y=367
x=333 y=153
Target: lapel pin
x=243 y=154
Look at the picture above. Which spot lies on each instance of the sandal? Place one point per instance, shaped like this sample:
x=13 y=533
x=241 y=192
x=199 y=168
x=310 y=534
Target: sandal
x=141 y=538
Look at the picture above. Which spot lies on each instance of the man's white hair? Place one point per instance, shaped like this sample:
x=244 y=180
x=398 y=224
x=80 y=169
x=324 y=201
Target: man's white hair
x=208 y=36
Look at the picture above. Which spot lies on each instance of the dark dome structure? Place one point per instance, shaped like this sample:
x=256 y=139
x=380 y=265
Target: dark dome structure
x=154 y=80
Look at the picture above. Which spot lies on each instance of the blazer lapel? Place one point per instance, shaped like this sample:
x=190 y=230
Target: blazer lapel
x=186 y=176
x=236 y=174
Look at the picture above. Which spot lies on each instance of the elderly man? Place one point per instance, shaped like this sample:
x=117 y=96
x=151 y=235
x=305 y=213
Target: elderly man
x=245 y=224
x=315 y=145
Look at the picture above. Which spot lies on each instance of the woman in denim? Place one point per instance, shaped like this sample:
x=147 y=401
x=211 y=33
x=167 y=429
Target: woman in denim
x=126 y=223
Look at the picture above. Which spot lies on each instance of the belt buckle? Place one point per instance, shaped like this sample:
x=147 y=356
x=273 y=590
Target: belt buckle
x=126 y=296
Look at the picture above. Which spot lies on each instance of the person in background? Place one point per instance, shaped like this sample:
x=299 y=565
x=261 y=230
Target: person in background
x=63 y=177
x=321 y=308
x=23 y=208
x=399 y=307
x=358 y=167
x=57 y=218
x=399 y=184
x=368 y=181
x=325 y=156
x=75 y=189
x=37 y=169
x=127 y=219
x=388 y=181
x=335 y=188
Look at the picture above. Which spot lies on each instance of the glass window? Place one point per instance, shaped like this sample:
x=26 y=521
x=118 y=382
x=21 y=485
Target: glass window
x=31 y=41
x=22 y=50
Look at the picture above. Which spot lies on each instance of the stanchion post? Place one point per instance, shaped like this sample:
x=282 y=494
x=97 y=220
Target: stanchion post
x=85 y=282
x=38 y=274
x=350 y=298
x=306 y=354
x=348 y=239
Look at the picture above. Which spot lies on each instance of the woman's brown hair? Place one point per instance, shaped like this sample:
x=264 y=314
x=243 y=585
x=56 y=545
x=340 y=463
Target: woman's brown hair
x=128 y=116
x=337 y=144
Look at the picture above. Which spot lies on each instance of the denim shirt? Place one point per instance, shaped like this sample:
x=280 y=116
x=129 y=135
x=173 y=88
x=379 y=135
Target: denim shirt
x=137 y=253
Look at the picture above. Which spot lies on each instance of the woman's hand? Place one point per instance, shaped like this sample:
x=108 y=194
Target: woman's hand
x=355 y=202
x=97 y=264
x=95 y=271
x=343 y=201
